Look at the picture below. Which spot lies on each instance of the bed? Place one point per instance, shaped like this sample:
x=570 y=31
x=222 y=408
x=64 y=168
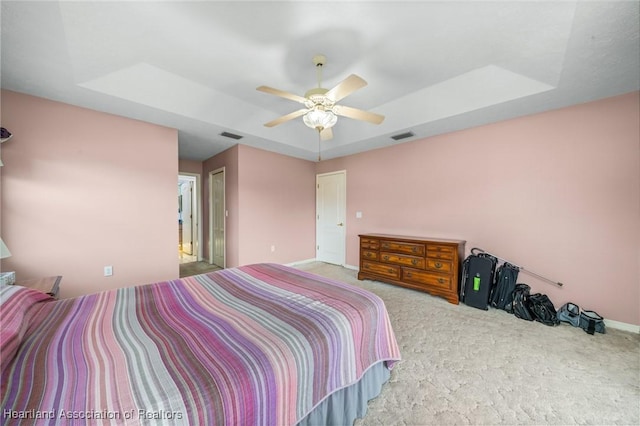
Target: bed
x=261 y=344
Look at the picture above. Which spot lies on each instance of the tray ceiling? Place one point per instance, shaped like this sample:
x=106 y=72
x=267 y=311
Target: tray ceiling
x=432 y=67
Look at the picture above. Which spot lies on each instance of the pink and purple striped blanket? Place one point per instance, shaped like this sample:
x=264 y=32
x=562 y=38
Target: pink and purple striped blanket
x=255 y=345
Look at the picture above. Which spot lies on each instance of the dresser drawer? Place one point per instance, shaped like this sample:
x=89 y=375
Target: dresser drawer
x=368 y=243
x=390 y=271
x=368 y=254
x=403 y=247
x=443 y=266
x=441 y=252
x=416 y=262
x=427 y=278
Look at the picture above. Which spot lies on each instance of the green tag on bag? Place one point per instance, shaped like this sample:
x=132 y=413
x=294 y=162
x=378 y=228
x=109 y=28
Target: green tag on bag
x=476 y=283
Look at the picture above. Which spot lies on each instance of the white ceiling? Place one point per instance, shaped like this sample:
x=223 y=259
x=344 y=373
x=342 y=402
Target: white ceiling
x=432 y=67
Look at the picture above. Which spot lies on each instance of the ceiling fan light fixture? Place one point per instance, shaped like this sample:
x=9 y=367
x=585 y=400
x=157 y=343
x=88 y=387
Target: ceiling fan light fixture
x=320 y=119
x=321 y=112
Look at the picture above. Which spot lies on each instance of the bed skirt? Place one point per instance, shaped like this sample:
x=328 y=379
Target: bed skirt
x=350 y=403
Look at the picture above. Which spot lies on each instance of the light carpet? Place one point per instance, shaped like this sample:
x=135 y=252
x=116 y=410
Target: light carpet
x=462 y=366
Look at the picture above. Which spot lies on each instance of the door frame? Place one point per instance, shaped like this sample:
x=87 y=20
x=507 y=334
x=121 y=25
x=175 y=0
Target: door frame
x=343 y=261
x=224 y=209
x=197 y=199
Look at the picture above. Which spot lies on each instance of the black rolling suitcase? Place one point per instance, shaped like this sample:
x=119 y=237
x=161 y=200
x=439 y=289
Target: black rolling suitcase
x=478 y=272
x=502 y=294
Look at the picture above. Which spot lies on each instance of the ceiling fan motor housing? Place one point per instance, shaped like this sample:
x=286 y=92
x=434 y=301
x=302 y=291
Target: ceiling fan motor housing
x=316 y=97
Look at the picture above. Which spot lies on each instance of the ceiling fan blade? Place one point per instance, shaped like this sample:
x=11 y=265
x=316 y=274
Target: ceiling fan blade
x=287 y=117
x=282 y=94
x=326 y=134
x=346 y=87
x=358 y=114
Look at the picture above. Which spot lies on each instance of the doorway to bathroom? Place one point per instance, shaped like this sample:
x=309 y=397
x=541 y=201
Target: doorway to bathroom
x=188 y=218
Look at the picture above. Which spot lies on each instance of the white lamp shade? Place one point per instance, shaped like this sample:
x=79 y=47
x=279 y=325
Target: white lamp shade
x=320 y=119
x=4 y=250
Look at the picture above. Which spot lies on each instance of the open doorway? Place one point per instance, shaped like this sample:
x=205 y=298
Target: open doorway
x=189 y=237
x=217 y=218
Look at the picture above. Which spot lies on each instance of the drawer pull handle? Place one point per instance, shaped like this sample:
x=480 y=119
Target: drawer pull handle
x=386 y=257
x=391 y=271
x=414 y=261
x=368 y=255
x=441 y=280
x=438 y=265
x=415 y=249
x=409 y=275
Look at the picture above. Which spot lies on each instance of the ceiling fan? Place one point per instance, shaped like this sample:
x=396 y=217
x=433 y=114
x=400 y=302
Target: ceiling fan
x=320 y=111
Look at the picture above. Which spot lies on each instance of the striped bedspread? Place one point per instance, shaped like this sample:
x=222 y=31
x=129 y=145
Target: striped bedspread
x=256 y=345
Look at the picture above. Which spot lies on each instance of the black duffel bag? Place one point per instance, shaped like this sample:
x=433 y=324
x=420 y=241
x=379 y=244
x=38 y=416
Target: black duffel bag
x=520 y=303
x=543 y=309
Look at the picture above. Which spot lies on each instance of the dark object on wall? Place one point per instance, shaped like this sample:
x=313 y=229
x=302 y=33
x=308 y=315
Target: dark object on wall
x=478 y=271
x=5 y=135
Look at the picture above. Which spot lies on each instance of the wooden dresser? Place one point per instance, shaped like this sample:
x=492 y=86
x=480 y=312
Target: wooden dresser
x=426 y=264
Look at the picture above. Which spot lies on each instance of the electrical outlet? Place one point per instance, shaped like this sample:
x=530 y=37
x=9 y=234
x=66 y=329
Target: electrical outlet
x=108 y=271
x=273 y=248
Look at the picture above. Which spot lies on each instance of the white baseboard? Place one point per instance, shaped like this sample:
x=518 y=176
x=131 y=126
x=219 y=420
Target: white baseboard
x=622 y=326
x=300 y=262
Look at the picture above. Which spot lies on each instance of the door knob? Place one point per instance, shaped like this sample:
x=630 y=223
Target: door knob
x=341 y=224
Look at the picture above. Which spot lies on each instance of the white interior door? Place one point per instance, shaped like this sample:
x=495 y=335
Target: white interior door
x=331 y=217
x=218 y=215
x=186 y=190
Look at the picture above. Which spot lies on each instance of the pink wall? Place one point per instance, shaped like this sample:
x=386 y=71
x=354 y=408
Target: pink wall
x=78 y=195
x=190 y=166
x=271 y=202
x=557 y=192
x=277 y=207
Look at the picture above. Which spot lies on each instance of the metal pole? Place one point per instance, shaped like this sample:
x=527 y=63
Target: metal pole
x=522 y=268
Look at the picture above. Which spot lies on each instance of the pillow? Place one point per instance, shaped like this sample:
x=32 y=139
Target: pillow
x=15 y=302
